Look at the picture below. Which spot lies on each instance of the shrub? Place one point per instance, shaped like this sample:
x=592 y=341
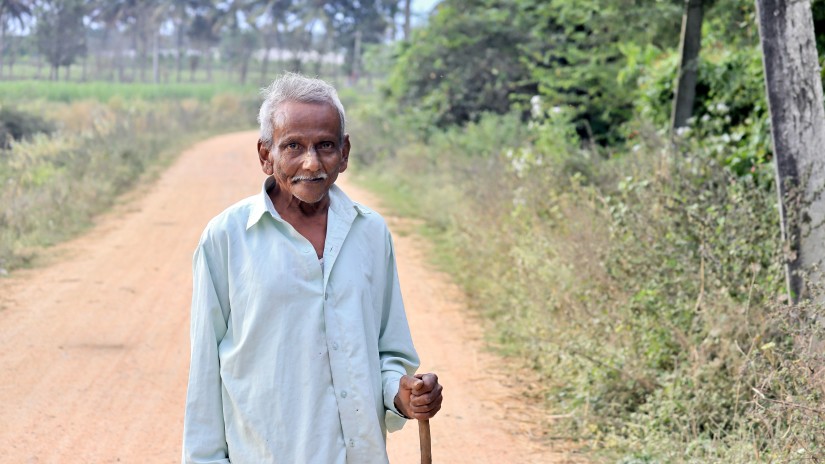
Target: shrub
x=645 y=289
x=17 y=125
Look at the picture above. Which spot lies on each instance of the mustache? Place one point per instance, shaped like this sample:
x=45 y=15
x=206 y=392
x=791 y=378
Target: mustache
x=310 y=177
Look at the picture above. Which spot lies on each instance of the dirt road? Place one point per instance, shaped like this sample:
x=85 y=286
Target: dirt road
x=95 y=349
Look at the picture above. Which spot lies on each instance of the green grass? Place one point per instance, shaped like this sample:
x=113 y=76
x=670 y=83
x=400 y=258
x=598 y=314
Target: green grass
x=105 y=91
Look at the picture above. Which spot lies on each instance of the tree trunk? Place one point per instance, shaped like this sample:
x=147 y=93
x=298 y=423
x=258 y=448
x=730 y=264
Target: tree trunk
x=12 y=59
x=794 y=88
x=356 y=58
x=178 y=56
x=407 y=25
x=265 y=64
x=689 y=65
x=13 y=44
x=121 y=59
x=139 y=47
x=208 y=56
x=2 y=44
x=155 y=57
x=244 y=68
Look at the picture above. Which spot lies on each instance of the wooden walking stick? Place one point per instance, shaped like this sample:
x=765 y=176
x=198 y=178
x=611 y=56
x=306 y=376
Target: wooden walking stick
x=424 y=439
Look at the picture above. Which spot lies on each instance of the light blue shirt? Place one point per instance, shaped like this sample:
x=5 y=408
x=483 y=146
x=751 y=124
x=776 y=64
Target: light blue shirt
x=292 y=361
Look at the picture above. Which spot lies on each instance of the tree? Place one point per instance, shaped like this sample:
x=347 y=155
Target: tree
x=469 y=60
x=111 y=14
x=242 y=39
x=61 y=35
x=266 y=16
x=794 y=88
x=691 y=43
x=356 y=24
x=11 y=10
x=407 y=22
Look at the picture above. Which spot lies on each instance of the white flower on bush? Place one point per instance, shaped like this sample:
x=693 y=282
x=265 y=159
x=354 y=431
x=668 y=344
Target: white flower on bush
x=721 y=108
x=518 y=197
x=535 y=106
x=519 y=164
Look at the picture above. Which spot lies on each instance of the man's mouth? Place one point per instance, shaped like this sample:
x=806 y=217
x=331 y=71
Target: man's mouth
x=311 y=179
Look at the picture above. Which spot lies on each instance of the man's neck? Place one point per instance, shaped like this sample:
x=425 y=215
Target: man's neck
x=288 y=206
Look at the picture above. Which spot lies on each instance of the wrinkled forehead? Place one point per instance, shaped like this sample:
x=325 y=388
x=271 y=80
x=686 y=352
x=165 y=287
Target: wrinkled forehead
x=321 y=114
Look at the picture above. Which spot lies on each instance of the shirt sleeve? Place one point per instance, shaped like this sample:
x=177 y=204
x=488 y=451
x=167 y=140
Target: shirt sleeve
x=395 y=347
x=204 y=438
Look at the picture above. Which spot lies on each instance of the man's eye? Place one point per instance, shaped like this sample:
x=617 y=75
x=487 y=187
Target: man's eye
x=292 y=146
x=326 y=145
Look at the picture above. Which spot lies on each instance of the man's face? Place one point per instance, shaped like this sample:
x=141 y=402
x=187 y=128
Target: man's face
x=306 y=154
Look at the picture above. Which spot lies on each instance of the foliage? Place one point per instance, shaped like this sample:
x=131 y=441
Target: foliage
x=16 y=125
x=582 y=54
x=646 y=289
x=730 y=113
x=485 y=55
x=466 y=62
x=61 y=35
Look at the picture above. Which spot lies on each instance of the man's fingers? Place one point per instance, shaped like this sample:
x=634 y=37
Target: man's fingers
x=427 y=398
x=427 y=406
x=425 y=383
x=426 y=415
x=408 y=382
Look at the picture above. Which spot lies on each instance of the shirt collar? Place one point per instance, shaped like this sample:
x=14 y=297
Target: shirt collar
x=340 y=203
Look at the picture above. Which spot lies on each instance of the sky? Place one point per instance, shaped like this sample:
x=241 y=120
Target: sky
x=421 y=9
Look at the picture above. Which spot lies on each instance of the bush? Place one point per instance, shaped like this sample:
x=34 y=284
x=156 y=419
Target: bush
x=646 y=289
x=17 y=125
x=730 y=113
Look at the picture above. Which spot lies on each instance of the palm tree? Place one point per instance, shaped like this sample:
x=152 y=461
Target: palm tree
x=11 y=10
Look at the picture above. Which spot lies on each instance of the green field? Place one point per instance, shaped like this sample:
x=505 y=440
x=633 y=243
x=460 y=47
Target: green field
x=103 y=91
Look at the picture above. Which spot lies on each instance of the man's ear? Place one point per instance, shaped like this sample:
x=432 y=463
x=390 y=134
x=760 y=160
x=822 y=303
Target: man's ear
x=344 y=154
x=264 y=158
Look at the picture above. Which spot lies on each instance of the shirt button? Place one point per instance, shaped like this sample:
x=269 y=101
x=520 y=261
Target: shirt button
x=326 y=296
x=351 y=443
x=306 y=251
x=344 y=394
x=335 y=346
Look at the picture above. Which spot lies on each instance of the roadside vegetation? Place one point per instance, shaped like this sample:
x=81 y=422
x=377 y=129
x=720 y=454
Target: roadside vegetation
x=640 y=276
x=65 y=160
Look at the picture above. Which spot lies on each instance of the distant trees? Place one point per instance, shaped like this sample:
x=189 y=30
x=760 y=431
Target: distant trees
x=493 y=55
x=149 y=40
x=470 y=60
x=11 y=10
x=61 y=34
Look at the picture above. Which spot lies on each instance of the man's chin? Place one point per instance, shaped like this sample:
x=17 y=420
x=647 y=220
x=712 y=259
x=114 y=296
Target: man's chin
x=310 y=197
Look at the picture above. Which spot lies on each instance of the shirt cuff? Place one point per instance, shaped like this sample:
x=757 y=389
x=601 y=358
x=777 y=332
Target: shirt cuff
x=393 y=419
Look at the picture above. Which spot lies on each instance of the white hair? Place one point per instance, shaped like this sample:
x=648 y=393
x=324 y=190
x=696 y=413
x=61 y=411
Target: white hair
x=294 y=87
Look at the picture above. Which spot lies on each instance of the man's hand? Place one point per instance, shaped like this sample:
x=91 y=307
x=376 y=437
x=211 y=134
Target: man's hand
x=419 y=397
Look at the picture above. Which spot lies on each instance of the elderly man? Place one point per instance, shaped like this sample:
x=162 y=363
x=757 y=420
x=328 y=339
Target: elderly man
x=301 y=352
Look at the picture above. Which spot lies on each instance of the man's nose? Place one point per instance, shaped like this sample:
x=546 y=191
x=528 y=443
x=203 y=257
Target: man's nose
x=311 y=161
